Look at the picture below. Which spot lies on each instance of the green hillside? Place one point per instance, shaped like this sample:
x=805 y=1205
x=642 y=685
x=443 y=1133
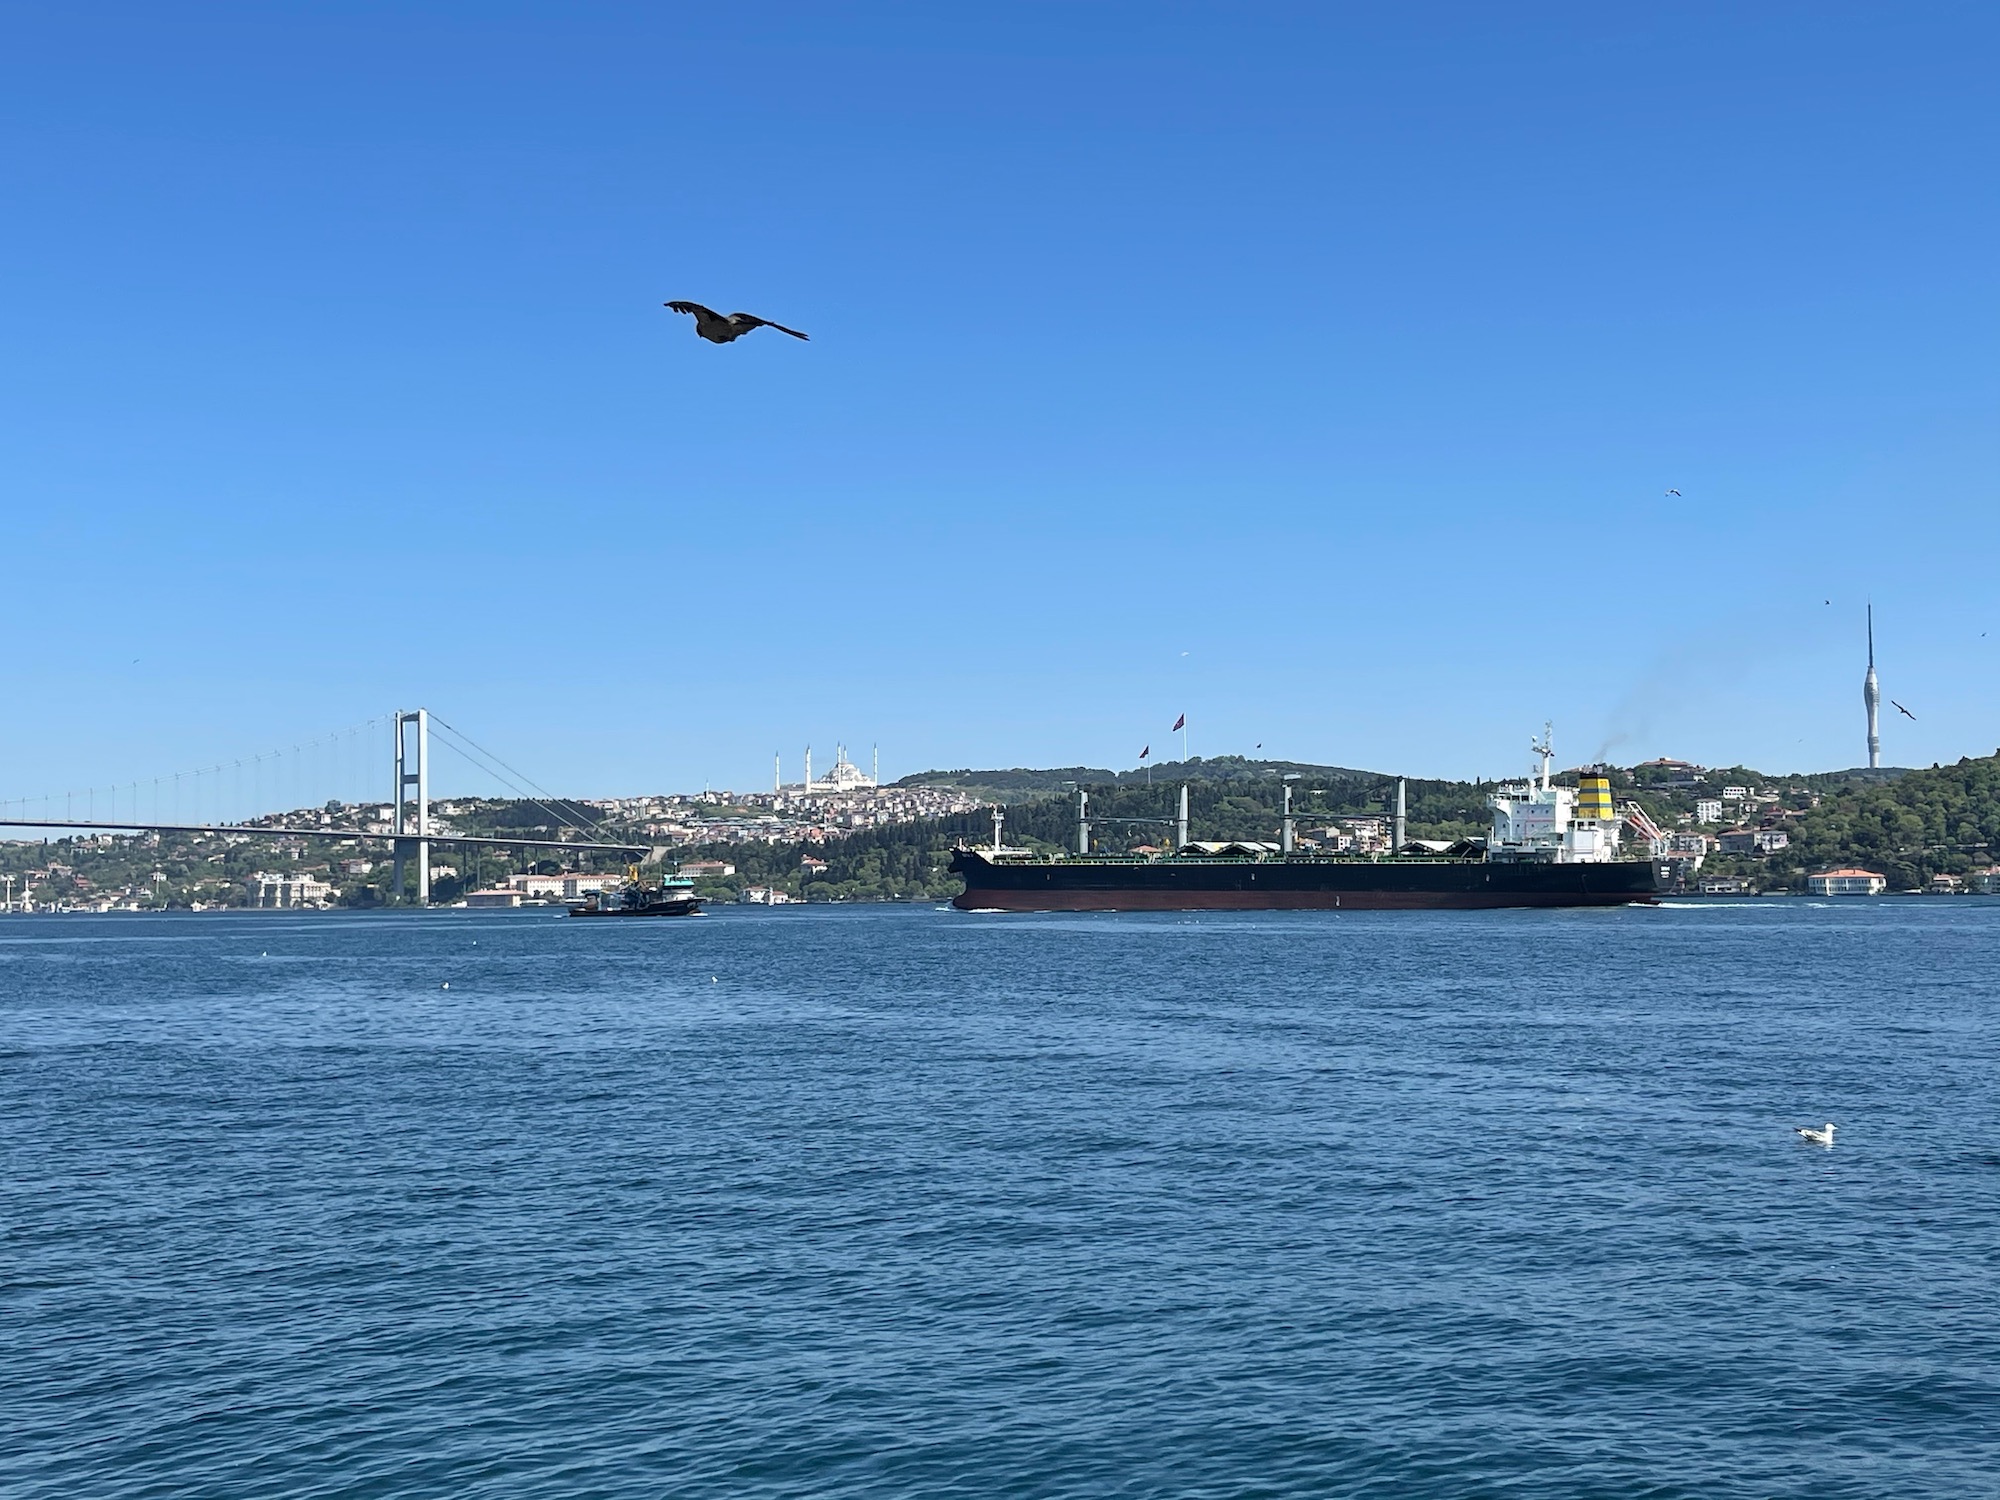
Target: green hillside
x=1228 y=798
x=1020 y=783
x=1944 y=821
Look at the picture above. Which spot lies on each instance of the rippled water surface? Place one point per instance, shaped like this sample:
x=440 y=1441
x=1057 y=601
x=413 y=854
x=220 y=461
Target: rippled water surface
x=909 y=1202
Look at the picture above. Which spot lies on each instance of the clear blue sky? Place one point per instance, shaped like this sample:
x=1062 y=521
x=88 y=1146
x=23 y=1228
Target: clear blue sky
x=1318 y=370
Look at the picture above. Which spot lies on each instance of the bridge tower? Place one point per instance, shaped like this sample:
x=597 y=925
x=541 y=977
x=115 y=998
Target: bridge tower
x=413 y=770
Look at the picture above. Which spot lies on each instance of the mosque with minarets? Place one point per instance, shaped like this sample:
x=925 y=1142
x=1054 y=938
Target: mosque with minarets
x=844 y=778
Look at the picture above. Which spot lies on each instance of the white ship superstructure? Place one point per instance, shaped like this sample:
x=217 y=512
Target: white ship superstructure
x=1538 y=820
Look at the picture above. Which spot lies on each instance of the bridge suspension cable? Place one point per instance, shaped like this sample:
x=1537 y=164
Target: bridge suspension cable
x=462 y=744
x=335 y=764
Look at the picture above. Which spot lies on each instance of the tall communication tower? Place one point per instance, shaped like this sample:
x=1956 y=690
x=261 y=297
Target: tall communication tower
x=1871 y=694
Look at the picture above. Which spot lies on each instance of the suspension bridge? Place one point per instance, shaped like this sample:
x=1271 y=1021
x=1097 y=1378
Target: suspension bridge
x=315 y=778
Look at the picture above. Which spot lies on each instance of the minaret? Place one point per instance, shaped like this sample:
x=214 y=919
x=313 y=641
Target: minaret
x=1872 y=696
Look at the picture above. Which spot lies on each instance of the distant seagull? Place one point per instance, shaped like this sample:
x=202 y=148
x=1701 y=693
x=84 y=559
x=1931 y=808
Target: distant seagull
x=1675 y=493
x=1818 y=1137
x=1826 y=601
x=1901 y=710
x=720 y=329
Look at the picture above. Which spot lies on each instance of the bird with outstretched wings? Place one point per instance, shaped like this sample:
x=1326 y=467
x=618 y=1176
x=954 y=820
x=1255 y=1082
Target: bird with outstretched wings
x=721 y=328
x=1901 y=710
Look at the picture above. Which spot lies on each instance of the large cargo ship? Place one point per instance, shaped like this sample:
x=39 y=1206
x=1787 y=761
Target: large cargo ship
x=1551 y=845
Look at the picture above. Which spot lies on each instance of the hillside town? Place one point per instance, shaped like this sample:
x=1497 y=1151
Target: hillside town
x=843 y=835
x=243 y=866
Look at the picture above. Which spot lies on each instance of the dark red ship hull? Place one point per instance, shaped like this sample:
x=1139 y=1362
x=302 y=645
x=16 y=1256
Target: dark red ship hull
x=1297 y=884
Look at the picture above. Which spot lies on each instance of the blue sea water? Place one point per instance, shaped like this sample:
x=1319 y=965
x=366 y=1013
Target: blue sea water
x=905 y=1202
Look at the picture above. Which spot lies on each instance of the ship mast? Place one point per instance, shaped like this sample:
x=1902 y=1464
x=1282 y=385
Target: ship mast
x=1544 y=747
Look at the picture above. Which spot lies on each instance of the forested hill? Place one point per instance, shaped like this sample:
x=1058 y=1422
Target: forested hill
x=907 y=861
x=1944 y=821
x=1018 y=783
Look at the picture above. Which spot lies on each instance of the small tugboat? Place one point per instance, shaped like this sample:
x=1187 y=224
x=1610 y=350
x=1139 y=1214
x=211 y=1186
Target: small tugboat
x=673 y=897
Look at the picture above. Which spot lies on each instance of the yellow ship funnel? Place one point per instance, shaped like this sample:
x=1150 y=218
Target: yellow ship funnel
x=1593 y=798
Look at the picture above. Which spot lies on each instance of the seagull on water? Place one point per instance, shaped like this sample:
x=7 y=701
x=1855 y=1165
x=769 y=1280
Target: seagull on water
x=1818 y=1137
x=720 y=328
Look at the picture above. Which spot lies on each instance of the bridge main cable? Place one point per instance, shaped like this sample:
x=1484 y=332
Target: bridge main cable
x=256 y=830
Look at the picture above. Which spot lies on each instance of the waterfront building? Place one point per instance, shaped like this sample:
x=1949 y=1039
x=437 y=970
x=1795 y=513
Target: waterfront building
x=1726 y=885
x=570 y=886
x=285 y=892
x=1846 y=883
x=493 y=898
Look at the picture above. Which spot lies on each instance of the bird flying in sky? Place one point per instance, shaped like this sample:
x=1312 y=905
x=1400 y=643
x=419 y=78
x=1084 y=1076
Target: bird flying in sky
x=1674 y=493
x=720 y=328
x=1901 y=710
